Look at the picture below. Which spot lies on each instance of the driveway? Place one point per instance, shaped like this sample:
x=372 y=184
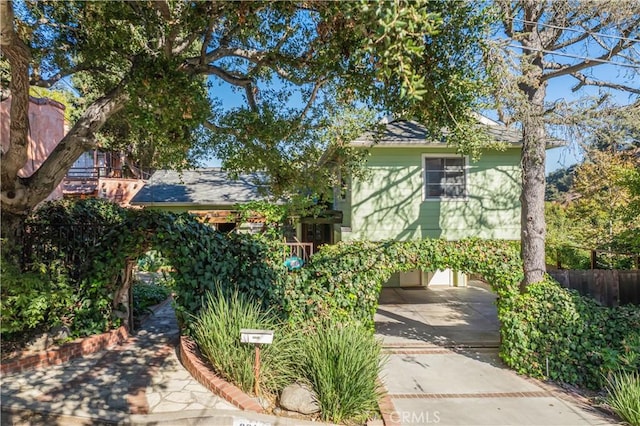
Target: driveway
x=443 y=367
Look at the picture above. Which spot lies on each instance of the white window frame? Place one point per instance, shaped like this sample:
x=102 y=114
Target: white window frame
x=465 y=168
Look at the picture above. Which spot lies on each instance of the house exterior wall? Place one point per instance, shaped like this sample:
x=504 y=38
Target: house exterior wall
x=390 y=204
x=46 y=130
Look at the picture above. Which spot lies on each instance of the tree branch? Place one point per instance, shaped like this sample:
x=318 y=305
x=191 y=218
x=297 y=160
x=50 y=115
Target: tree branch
x=14 y=157
x=587 y=63
x=585 y=81
x=78 y=140
x=214 y=127
x=229 y=77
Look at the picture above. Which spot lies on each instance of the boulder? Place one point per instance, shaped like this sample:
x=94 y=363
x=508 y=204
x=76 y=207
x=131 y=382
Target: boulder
x=299 y=398
x=45 y=340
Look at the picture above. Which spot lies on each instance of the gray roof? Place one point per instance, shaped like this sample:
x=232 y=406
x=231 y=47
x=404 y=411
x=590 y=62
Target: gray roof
x=411 y=133
x=199 y=187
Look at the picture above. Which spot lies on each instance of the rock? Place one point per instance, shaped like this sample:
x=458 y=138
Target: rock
x=299 y=398
x=45 y=340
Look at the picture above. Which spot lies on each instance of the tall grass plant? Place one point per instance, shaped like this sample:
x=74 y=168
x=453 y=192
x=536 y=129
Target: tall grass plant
x=217 y=332
x=623 y=388
x=342 y=362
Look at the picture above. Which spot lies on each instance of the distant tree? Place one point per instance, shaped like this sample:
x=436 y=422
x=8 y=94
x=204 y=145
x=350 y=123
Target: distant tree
x=546 y=40
x=148 y=73
x=559 y=184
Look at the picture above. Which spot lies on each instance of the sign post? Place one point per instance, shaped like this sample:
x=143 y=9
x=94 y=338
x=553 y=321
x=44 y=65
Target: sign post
x=257 y=337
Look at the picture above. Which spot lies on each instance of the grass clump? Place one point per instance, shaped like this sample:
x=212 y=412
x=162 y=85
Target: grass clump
x=342 y=363
x=623 y=388
x=217 y=332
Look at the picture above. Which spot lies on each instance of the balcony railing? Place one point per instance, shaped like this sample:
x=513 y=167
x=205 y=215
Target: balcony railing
x=302 y=250
x=95 y=173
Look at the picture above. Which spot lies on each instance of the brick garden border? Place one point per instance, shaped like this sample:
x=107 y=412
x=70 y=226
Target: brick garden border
x=192 y=361
x=66 y=352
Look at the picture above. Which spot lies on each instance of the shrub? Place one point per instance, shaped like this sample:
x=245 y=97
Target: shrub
x=40 y=298
x=146 y=295
x=217 y=332
x=342 y=363
x=571 y=336
x=623 y=395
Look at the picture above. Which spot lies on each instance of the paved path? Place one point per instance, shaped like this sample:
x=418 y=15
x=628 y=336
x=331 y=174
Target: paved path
x=143 y=376
x=443 y=366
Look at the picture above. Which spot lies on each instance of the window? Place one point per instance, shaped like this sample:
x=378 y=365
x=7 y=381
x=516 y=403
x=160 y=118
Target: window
x=444 y=177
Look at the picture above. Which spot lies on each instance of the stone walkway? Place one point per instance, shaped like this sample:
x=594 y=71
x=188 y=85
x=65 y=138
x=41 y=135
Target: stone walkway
x=143 y=376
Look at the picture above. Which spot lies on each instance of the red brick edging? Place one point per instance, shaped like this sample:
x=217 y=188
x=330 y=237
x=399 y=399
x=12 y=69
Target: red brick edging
x=202 y=373
x=387 y=410
x=65 y=352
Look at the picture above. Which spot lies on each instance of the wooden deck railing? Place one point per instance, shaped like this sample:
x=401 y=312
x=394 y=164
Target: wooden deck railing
x=302 y=250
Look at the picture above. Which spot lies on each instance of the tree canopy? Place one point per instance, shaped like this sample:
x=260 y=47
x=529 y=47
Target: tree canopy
x=149 y=73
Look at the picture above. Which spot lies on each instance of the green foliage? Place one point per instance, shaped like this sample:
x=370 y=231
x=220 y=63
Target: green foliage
x=341 y=284
x=146 y=295
x=217 y=332
x=152 y=261
x=623 y=390
x=559 y=183
x=342 y=363
x=38 y=299
x=578 y=339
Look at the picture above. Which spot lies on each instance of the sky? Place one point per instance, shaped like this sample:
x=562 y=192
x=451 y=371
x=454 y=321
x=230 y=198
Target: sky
x=558 y=89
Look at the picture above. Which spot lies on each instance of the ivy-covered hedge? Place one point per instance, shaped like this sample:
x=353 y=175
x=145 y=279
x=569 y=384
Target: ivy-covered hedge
x=552 y=332
x=579 y=339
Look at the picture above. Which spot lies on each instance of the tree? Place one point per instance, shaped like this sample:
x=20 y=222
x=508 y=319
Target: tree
x=546 y=40
x=147 y=74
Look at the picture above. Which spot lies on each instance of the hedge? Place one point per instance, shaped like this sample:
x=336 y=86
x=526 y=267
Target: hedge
x=578 y=339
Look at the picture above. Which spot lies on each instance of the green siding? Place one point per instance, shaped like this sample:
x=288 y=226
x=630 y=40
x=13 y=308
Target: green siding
x=390 y=205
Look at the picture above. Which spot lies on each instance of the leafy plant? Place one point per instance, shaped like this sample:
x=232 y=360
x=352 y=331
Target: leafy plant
x=40 y=298
x=151 y=261
x=623 y=395
x=555 y=333
x=217 y=332
x=146 y=295
x=342 y=363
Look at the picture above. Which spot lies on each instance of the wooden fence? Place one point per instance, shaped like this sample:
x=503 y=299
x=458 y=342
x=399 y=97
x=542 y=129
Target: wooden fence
x=607 y=287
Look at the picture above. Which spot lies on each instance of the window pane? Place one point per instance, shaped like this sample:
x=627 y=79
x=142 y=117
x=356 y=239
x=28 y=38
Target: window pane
x=434 y=191
x=444 y=177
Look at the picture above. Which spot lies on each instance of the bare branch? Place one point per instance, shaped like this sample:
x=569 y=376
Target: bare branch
x=312 y=97
x=586 y=81
x=577 y=39
x=185 y=44
x=231 y=78
x=587 y=63
x=251 y=96
x=214 y=127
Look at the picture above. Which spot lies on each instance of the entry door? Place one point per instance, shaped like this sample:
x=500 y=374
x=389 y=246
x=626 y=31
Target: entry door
x=317 y=233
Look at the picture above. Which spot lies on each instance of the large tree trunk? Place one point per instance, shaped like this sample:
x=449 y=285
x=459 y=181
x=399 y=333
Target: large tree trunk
x=533 y=227
x=12 y=236
x=532 y=85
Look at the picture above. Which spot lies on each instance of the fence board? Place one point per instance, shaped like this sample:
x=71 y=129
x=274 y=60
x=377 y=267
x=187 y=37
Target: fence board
x=608 y=287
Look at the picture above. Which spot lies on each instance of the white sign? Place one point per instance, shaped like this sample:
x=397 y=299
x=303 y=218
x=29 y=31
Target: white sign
x=248 y=335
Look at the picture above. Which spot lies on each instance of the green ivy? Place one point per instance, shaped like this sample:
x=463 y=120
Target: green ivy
x=548 y=325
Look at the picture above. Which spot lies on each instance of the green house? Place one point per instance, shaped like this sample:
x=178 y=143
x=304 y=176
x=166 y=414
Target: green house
x=417 y=188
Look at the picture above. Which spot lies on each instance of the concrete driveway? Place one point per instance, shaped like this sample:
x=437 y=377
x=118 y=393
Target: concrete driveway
x=443 y=366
